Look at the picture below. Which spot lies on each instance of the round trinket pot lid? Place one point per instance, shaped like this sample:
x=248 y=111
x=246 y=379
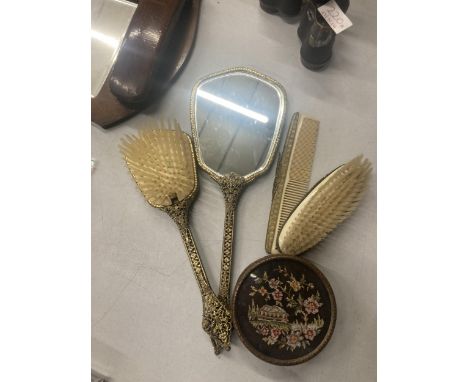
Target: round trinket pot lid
x=284 y=309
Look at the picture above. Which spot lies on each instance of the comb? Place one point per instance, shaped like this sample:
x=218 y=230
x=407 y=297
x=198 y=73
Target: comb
x=162 y=162
x=328 y=204
x=292 y=175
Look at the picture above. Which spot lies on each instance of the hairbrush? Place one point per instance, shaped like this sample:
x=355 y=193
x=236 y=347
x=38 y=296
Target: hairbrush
x=162 y=163
x=330 y=202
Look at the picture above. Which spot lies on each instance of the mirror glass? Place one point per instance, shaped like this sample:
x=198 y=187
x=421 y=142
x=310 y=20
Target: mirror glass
x=236 y=116
x=109 y=22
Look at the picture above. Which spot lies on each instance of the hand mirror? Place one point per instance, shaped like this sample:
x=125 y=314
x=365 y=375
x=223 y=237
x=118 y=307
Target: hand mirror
x=236 y=118
x=137 y=48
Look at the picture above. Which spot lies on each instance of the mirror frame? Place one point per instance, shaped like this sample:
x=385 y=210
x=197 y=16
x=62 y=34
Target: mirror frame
x=278 y=127
x=109 y=108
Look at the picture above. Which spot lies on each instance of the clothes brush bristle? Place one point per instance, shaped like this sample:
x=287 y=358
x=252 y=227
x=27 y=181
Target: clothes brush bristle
x=328 y=204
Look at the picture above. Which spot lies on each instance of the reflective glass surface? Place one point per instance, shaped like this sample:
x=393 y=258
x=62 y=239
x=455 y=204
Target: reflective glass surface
x=236 y=118
x=109 y=22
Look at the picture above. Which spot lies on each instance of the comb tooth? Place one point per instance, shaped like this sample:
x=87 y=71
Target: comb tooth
x=292 y=175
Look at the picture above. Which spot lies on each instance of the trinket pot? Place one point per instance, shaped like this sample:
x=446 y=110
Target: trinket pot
x=284 y=309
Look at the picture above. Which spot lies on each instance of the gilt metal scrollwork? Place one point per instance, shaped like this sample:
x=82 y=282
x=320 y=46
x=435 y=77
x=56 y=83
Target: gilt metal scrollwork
x=217 y=321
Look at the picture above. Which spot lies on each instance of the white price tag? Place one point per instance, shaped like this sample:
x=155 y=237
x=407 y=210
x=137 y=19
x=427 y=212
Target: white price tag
x=334 y=16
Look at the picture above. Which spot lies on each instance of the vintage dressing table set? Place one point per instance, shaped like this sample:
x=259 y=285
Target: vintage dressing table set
x=282 y=306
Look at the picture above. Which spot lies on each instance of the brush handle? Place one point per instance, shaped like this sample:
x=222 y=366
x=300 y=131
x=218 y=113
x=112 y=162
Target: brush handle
x=232 y=186
x=179 y=213
x=217 y=321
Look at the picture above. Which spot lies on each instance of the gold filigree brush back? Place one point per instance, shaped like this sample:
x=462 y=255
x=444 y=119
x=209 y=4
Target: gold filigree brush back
x=330 y=202
x=162 y=162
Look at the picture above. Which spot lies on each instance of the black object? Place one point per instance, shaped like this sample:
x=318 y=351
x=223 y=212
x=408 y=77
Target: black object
x=317 y=36
x=284 y=7
x=284 y=309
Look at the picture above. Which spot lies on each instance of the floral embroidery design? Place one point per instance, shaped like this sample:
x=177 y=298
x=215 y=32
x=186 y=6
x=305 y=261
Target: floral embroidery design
x=271 y=320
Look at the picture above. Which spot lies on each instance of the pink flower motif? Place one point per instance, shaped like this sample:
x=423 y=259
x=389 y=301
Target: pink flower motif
x=275 y=332
x=273 y=283
x=277 y=295
x=310 y=332
x=293 y=341
x=262 y=291
x=264 y=331
x=311 y=305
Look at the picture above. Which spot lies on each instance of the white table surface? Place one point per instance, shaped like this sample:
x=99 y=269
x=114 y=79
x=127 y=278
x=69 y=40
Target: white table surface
x=146 y=307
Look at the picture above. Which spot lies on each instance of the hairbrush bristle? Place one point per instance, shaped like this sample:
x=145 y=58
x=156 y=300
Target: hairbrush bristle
x=161 y=161
x=330 y=202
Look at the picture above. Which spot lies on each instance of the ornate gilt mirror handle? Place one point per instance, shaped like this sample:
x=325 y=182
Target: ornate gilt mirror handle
x=216 y=322
x=232 y=186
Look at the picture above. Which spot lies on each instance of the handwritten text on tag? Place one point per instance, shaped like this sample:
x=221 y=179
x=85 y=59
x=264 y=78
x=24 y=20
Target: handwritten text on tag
x=334 y=16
